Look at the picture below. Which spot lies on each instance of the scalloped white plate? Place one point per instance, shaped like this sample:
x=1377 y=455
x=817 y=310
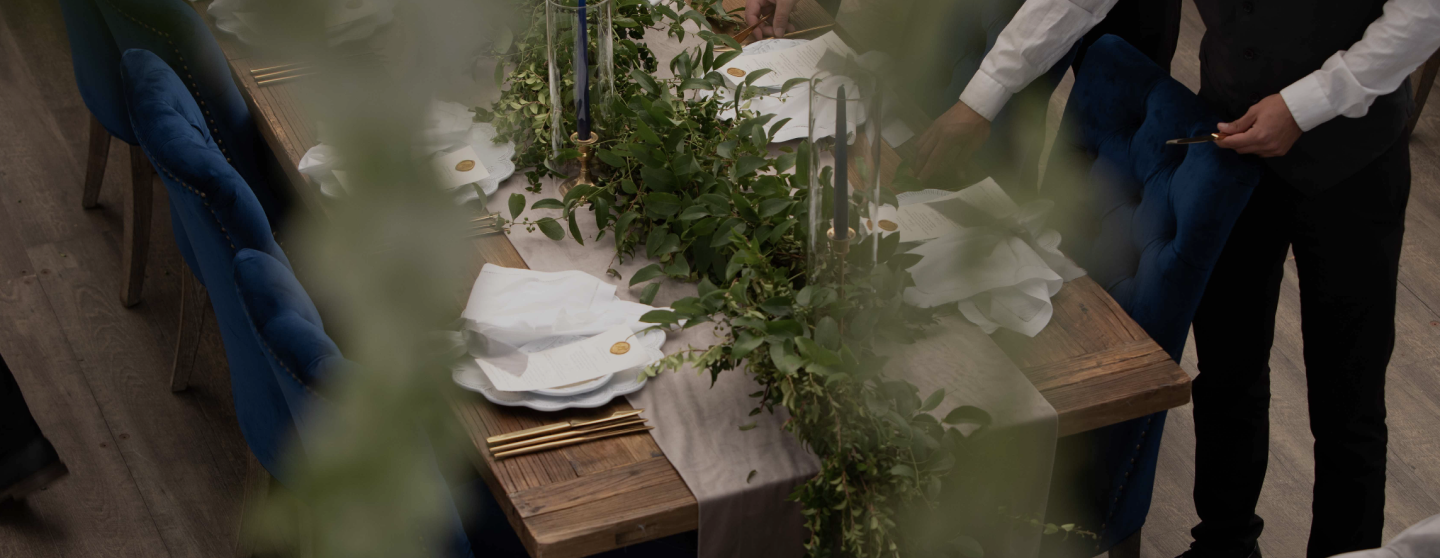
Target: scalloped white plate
x=467 y=374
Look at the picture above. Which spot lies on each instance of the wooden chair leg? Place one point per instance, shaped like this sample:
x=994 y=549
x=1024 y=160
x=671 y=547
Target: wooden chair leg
x=135 y=246
x=257 y=490
x=194 y=314
x=1128 y=548
x=1423 y=79
x=293 y=538
x=99 y=152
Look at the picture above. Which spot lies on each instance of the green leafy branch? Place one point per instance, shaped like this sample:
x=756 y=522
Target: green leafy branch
x=688 y=179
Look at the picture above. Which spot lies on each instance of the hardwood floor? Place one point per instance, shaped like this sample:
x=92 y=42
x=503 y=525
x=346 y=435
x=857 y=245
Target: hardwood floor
x=152 y=473
x=157 y=474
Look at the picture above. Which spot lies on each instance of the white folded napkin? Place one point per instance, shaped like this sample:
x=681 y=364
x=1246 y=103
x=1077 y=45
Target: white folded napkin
x=1000 y=275
x=520 y=306
x=345 y=20
x=795 y=103
x=448 y=127
x=511 y=308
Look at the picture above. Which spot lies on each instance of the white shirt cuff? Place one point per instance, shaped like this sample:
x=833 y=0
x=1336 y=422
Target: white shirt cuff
x=985 y=95
x=1307 y=103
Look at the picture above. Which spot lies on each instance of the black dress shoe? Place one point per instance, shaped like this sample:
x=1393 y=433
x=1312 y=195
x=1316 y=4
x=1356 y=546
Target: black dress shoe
x=29 y=469
x=1195 y=553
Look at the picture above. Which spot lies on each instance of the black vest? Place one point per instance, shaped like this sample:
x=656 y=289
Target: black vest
x=1255 y=48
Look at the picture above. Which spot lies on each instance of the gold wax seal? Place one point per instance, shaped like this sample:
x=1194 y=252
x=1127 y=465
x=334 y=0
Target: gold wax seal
x=620 y=348
x=737 y=72
x=889 y=226
x=465 y=166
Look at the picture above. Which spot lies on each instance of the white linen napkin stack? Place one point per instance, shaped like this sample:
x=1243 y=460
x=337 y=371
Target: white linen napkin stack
x=1011 y=285
x=511 y=308
x=447 y=127
x=520 y=306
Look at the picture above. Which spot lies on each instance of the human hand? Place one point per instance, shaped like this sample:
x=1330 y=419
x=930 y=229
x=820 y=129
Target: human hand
x=779 y=23
x=1267 y=129
x=951 y=140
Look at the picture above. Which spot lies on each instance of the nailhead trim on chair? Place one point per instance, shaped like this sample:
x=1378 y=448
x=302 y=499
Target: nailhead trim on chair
x=258 y=337
x=1111 y=514
x=194 y=88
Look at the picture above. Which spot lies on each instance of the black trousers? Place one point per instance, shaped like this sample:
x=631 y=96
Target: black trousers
x=17 y=427
x=1346 y=242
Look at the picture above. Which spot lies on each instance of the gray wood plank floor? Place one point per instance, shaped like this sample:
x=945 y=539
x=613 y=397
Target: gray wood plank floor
x=156 y=474
x=152 y=474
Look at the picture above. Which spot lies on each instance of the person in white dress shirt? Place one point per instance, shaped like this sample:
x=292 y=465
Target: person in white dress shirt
x=1319 y=91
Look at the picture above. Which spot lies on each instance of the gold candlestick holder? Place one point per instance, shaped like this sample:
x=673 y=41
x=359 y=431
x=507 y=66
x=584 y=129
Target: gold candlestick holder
x=587 y=152
x=841 y=246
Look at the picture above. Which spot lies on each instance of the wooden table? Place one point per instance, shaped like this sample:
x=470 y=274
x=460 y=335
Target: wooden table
x=1093 y=364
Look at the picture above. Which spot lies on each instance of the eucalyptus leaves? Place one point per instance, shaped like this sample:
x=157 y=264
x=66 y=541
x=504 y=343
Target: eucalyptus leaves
x=705 y=198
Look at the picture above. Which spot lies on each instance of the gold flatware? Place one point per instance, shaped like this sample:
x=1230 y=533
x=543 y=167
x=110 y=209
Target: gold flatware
x=281 y=79
x=558 y=427
x=742 y=34
x=268 y=75
x=258 y=71
x=786 y=36
x=485 y=232
x=571 y=442
x=568 y=434
x=804 y=31
x=1198 y=139
x=293 y=65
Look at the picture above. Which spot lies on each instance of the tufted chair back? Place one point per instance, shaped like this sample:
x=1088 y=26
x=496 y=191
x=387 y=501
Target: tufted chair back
x=174 y=32
x=219 y=216
x=1147 y=221
x=96 y=60
x=288 y=328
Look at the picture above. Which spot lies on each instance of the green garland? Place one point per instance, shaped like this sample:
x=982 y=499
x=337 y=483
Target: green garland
x=704 y=198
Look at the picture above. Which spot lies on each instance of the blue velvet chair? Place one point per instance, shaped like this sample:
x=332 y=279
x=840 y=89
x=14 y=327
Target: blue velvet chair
x=274 y=339
x=217 y=215
x=99 y=30
x=1147 y=221
x=302 y=357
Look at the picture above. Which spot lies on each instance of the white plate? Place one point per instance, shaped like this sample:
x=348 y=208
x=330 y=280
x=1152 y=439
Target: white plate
x=497 y=158
x=467 y=374
x=225 y=19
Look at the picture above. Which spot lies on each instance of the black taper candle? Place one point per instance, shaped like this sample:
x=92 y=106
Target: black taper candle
x=582 y=76
x=841 y=216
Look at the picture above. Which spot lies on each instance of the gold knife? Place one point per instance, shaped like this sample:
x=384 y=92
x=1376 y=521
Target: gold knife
x=568 y=434
x=571 y=442
x=739 y=37
x=1199 y=139
x=557 y=427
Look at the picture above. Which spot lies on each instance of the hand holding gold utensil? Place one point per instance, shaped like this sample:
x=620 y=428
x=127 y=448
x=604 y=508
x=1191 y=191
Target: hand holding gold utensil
x=740 y=37
x=1198 y=139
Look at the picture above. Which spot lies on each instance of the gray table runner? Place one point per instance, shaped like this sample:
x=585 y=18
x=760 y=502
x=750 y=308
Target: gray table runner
x=697 y=425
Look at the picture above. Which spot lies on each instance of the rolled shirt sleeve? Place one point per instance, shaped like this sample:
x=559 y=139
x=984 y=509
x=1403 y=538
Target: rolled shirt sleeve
x=1400 y=40
x=1035 y=39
